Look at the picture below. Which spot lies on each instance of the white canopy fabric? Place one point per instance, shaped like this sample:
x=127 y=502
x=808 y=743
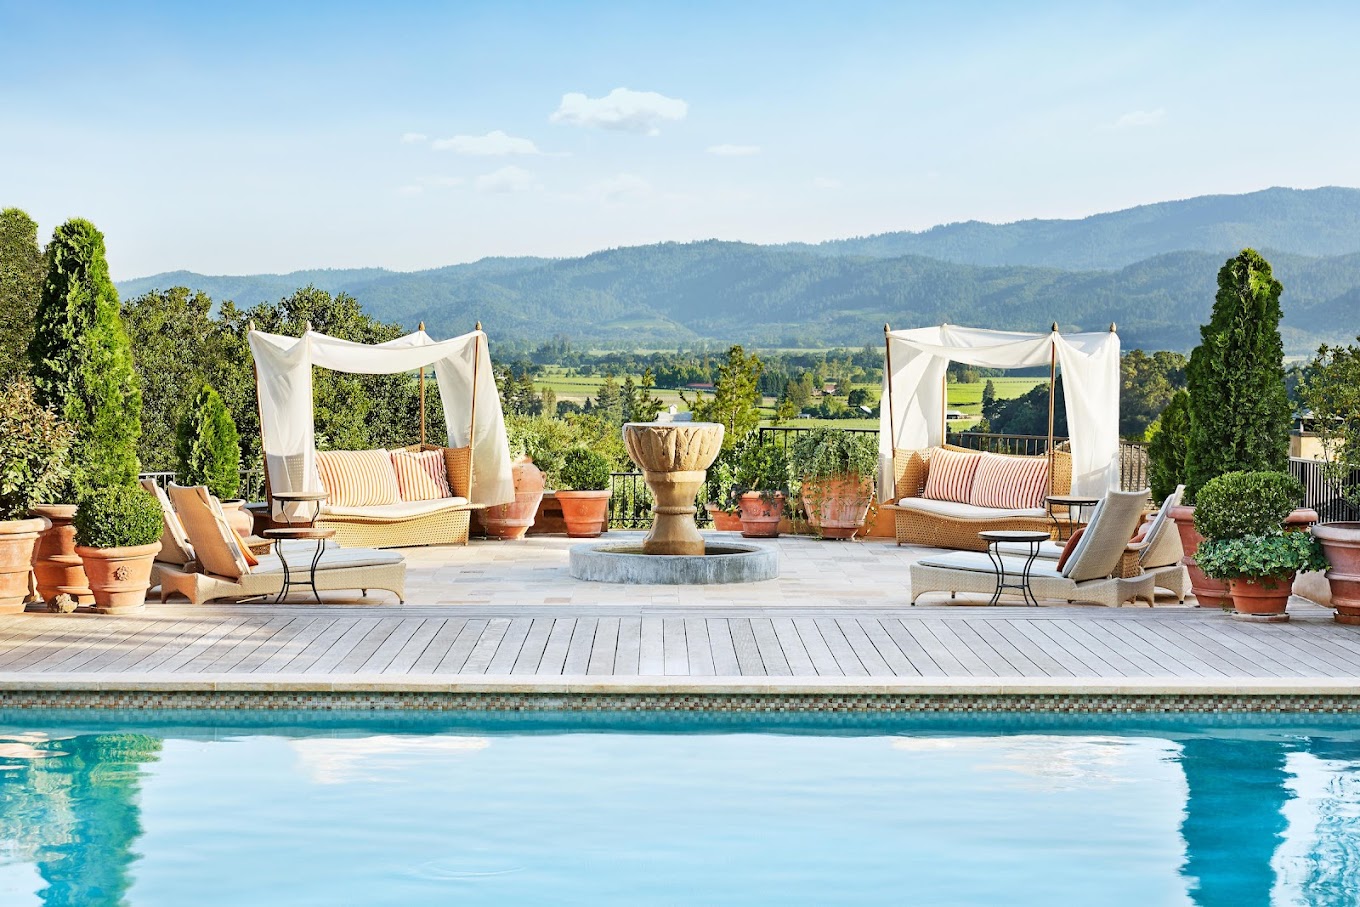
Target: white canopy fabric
x=912 y=415
x=284 y=384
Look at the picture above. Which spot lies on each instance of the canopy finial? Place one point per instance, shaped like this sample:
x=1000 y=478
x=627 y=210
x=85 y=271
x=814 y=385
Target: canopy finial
x=309 y=326
x=886 y=328
x=251 y=326
x=1055 y=327
x=422 y=326
x=1111 y=327
x=479 y=325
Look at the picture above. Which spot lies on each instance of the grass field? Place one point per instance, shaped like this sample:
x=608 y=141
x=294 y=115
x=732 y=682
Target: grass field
x=964 y=397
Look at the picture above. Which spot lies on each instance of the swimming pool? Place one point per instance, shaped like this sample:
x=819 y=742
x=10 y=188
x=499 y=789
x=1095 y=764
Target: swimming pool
x=182 y=808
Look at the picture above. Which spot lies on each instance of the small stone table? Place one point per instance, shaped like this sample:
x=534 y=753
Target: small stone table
x=1033 y=539
x=299 y=532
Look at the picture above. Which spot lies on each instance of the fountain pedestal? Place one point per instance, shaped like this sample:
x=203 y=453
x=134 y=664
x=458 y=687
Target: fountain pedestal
x=674 y=458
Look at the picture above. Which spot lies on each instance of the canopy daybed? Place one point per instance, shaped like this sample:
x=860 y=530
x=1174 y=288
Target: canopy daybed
x=369 y=503
x=973 y=490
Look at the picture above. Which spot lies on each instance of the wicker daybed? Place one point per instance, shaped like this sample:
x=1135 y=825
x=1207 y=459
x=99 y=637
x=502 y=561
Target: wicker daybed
x=951 y=524
x=442 y=521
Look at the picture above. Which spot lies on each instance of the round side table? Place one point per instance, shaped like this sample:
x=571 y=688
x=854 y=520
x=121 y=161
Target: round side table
x=299 y=532
x=1073 y=505
x=301 y=499
x=1034 y=540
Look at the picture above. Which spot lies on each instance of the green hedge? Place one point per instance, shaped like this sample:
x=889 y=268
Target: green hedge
x=1241 y=504
x=118 y=517
x=583 y=470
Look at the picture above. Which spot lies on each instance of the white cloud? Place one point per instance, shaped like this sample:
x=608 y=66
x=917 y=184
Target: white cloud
x=1139 y=118
x=446 y=182
x=410 y=190
x=494 y=144
x=413 y=138
x=622 y=110
x=621 y=188
x=826 y=182
x=506 y=179
x=734 y=150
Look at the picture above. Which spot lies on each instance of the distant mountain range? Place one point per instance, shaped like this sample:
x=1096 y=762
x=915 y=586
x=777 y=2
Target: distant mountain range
x=1150 y=269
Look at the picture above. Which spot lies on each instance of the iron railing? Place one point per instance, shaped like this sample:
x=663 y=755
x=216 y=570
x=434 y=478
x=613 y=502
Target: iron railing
x=1321 y=494
x=252 y=482
x=630 y=503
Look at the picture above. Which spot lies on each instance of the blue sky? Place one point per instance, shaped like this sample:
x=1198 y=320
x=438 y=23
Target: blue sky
x=253 y=137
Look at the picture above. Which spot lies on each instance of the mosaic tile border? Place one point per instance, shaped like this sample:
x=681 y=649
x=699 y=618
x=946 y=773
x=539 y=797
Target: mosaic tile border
x=766 y=703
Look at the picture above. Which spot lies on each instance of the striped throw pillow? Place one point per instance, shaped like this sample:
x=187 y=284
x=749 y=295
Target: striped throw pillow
x=951 y=476
x=421 y=475
x=1012 y=483
x=358 y=478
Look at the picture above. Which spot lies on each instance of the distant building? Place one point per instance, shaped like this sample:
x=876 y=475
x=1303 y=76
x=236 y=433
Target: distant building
x=954 y=415
x=700 y=386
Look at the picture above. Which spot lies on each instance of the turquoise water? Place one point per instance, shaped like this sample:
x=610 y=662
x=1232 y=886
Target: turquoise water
x=350 y=809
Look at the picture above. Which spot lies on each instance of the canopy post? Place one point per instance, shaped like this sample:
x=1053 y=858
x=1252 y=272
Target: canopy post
x=259 y=414
x=887 y=400
x=944 y=398
x=472 y=420
x=422 y=398
x=1052 y=383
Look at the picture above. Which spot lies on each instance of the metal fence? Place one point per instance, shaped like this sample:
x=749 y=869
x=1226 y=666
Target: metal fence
x=252 y=482
x=630 y=503
x=1321 y=494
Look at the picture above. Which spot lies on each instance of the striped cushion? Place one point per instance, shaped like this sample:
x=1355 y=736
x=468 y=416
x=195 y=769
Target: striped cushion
x=1011 y=482
x=421 y=475
x=951 y=476
x=358 y=478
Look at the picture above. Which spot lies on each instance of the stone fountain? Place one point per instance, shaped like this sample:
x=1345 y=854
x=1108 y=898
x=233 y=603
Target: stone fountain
x=674 y=455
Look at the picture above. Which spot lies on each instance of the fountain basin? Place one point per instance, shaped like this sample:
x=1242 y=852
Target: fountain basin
x=721 y=562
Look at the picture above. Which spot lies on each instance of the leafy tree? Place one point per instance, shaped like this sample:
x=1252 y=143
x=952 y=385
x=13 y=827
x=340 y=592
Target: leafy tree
x=1027 y=414
x=1239 y=411
x=1168 y=439
x=858 y=397
x=988 y=395
x=21 y=279
x=609 y=401
x=207 y=446
x=82 y=361
x=1147 y=384
x=736 y=396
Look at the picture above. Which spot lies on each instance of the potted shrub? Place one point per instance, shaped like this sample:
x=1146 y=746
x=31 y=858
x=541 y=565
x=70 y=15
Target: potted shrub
x=719 y=488
x=583 y=492
x=1243 y=517
x=118 y=534
x=760 y=487
x=1330 y=392
x=209 y=453
x=834 y=471
x=34 y=445
x=534 y=459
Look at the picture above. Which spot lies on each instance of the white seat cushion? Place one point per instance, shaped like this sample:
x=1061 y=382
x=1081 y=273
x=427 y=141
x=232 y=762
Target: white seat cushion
x=1047 y=550
x=957 y=511
x=402 y=510
x=334 y=558
x=979 y=562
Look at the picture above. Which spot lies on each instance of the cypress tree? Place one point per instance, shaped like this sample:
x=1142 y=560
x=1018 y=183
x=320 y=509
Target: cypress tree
x=1239 y=411
x=82 y=361
x=21 y=278
x=1166 y=450
x=208 y=447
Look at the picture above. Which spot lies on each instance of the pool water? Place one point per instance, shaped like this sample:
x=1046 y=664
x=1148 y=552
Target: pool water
x=348 y=809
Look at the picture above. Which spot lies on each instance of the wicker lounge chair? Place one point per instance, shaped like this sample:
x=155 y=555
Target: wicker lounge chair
x=1089 y=575
x=948 y=524
x=1158 y=555
x=224 y=570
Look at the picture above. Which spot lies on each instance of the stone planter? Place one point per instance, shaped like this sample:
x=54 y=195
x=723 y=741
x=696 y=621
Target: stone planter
x=1341 y=543
x=58 y=567
x=1262 y=598
x=119 y=577
x=512 y=521
x=1209 y=593
x=837 y=507
x=18 y=539
x=584 y=512
x=760 y=514
x=241 y=521
x=724 y=520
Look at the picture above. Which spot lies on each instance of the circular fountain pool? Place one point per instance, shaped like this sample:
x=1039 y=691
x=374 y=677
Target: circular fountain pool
x=721 y=562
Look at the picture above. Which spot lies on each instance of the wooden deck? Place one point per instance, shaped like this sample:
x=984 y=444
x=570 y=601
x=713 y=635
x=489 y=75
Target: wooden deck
x=546 y=641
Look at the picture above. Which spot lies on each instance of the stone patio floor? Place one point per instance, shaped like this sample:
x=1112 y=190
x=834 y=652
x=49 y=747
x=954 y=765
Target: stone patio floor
x=507 y=613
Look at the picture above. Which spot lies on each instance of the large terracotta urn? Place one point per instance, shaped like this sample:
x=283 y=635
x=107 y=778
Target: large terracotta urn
x=57 y=565
x=1209 y=593
x=18 y=538
x=1261 y=597
x=586 y=513
x=241 y=521
x=1341 y=543
x=674 y=458
x=837 y=507
x=724 y=520
x=760 y=514
x=512 y=520
x=119 y=577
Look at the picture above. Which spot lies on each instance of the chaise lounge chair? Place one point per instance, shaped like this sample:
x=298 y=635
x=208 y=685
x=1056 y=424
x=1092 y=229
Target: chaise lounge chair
x=226 y=570
x=1089 y=575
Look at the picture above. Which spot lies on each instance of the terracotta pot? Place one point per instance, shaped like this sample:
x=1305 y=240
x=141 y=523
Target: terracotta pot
x=584 y=512
x=724 y=520
x=760 y=514
x=837 y=506
x=1209 y=593
x=241 y=521
x=1262 y=596
x=119 y=577
x=512 y=521
x=58 y=567
x=1341 y=543
x=18 y=539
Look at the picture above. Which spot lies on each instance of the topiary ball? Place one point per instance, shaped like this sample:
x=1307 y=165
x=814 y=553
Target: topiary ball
x=1238 y=504
x=118 y=517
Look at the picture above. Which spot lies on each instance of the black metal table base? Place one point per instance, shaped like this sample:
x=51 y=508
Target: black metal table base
x=1023 y=586
x=288 y=583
